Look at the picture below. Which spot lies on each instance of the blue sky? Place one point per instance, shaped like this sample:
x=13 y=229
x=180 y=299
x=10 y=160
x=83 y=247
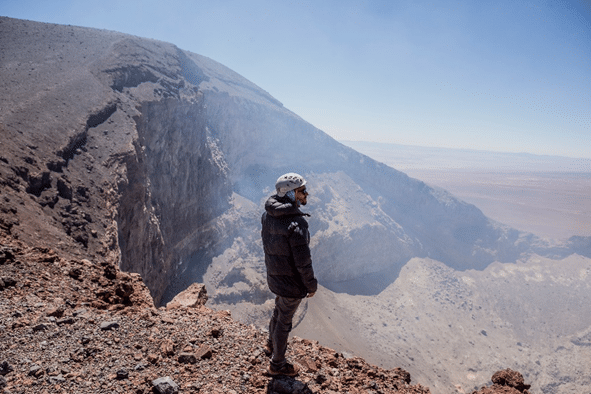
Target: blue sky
x=510 y=76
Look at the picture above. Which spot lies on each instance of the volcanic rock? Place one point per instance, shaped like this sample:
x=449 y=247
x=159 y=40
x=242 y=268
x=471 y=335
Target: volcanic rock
x=187 y=358
x=194 y=296
x=122 y=374
x=109 y=325
x=506 y=381
x=5 y=368
x=165 y=385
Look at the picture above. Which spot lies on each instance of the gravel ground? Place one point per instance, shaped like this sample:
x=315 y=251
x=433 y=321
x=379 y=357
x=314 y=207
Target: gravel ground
x=85 y=327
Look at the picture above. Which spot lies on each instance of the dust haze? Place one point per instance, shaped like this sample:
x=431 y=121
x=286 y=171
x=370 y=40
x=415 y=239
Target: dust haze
x=549 y=196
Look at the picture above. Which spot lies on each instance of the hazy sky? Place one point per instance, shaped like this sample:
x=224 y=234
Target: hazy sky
x=502 y=75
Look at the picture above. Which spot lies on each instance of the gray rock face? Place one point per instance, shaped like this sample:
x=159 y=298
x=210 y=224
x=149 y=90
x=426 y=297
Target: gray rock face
x=176 y=184
x=5 y=368
x=165 y=385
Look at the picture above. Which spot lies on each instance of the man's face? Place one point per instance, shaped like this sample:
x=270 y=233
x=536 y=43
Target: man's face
x=301 y=195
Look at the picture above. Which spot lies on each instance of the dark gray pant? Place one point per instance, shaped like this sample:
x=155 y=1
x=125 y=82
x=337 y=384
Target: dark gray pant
x=280 y=326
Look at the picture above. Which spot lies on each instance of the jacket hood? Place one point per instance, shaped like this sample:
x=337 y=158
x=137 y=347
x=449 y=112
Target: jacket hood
x=282 y=206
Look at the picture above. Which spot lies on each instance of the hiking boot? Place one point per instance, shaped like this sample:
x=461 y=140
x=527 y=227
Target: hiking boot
x=268 y=349
x=287 y=370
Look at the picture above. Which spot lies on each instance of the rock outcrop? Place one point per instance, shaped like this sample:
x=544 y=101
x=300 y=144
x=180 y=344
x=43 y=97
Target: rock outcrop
x=506 y=381
x=193 y=297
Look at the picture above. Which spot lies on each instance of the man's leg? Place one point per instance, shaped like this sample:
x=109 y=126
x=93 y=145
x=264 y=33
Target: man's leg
x=280 y=326
x=272 y=323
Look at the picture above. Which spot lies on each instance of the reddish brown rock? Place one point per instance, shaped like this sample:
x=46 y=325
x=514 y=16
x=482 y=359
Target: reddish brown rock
x=506 y=381
x=56 y=311
x=508 y=377
x=152 y=358
x=204 y=352
x=167 y=348
x=308 y=363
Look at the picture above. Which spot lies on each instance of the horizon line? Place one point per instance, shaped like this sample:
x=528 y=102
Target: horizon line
x=466 y=149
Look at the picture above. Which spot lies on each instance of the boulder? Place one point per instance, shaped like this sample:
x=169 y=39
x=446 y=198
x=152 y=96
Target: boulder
x=165 y=385
x=193 y=297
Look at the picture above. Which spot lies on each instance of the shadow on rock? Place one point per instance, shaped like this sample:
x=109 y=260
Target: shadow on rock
x=287 y=385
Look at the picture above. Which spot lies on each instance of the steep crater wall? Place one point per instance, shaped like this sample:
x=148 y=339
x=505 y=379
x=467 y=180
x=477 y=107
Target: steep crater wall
x=176 y=185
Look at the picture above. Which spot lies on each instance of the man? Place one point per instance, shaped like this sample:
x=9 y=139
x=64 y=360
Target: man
x=289 y=264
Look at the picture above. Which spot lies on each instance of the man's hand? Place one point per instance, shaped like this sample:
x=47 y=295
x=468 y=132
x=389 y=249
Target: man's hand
x=310 y=295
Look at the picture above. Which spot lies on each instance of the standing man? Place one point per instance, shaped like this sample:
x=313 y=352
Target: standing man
x=289 y=264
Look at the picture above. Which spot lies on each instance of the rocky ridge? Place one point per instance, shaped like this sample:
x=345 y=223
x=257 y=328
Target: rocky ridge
x=87 y=327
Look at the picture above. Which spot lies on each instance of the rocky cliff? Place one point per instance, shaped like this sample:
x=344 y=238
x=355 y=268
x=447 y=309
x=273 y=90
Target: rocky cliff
x=114 y=150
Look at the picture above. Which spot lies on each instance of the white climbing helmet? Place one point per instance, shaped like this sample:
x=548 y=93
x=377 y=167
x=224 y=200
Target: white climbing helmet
x=287 y=182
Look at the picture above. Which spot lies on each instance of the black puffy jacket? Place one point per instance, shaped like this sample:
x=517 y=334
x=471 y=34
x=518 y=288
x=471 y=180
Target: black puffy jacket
x=287 y=252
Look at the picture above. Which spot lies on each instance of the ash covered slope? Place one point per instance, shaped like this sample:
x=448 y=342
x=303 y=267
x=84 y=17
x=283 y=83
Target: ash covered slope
x=261 y=139
x=454 y=328
x=131 y=145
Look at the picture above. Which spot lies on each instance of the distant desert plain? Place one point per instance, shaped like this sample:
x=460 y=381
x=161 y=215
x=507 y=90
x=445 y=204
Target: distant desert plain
x=549 y=196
